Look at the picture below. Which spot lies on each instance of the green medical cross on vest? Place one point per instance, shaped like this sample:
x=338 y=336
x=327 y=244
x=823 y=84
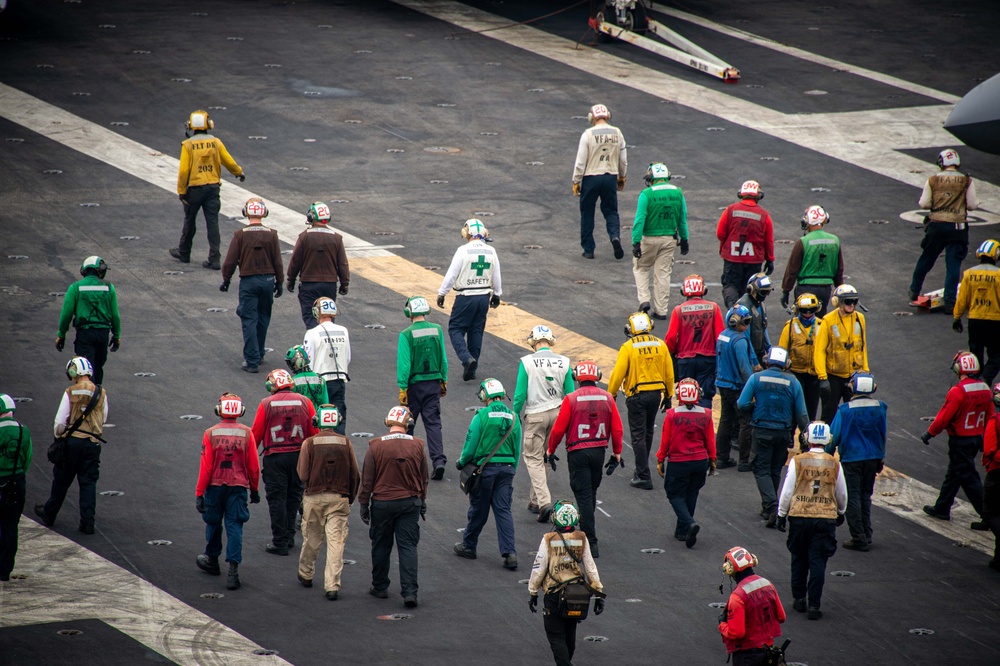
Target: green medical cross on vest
x=480 y=265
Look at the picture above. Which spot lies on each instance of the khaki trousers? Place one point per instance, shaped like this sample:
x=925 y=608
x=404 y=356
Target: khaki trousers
x=657 y=258
x=535 y=437
x=324 y=515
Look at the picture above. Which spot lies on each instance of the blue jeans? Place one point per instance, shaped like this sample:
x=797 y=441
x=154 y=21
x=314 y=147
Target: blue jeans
x=702 y=370
x=424 y=400
x=592 y=188
x=495 y=490
x=682 y=481
x=942 y=237
x=770 y=449
x=254 y=311
x=225 y=504
x=467 y=325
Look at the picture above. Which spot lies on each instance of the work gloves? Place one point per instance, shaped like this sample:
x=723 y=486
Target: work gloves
x=343 y=290
x=598 y=606
x=957 y=326
x=291 y=286
x=637 y=250
x=550 y=460
x=423 y=510
x=926 y=437
x=659 y=468
x=684 y=246
x=114 y=344
x=533 y=601
x=403 y=398
x=781 y=523
x=60 y=343
x=621 y=183
x=366 y=516
x=613 y=464
x=440 y=301
x=724 y=615
x=768 y=267
x=803 y=442
x=254 y=497
x=824 y=389
x=199 y=504
x=666 y=403
x=711 y=467
x=224 y=286
x=784 y=299
x=444 y=389
x=278 y=290
x=494 y=301
x=576 y=189
x=183 y=200
x=840 y=519
x=242 y=177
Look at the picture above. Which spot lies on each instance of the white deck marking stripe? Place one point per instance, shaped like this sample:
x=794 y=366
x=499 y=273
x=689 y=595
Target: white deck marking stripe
x=870 y=140
x=61 y=571
x=806 y=55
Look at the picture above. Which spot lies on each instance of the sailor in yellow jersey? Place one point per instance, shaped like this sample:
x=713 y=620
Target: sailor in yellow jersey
x=979 y=294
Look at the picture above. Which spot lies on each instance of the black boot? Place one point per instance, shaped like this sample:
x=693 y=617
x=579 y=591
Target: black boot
x=208 y=564
x=233 y=580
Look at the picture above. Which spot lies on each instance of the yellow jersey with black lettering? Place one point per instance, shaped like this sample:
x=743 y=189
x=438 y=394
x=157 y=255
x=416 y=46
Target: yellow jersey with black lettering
x=979 y=293
x=643 y=364
x=201 y=158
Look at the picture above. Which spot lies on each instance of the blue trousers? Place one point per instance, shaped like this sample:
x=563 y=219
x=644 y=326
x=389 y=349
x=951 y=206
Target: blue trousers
x=308 y=293
x=962 y=473
x=92 y=344
x=592 y=188
x=682 y=481
x=467 y=325
x=942 y=237
x=811 y=541
x=702 y=370
x=770 y=449
x=225 y=505
x=424 y=400
x=495 y=490
x=336 y=393
x=254 y=311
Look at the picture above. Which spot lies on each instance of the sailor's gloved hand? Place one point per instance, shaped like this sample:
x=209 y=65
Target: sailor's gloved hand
x=224 y=286
x=550 y=460
x=423 y=510
x=494 y=301
x=242 y=177
x=533 y=603
x=598 y=606
x=403 y=399
x=199 y=504
x=840 y=519
x=444 y=389
x=278 y=290
x=926 y=437
x=803 y=442
x=114 y=344
x=637 y=250
x=666 y=403
x=343 y=290
x=784 y=299
x=768 y=267
x=366 y=516
x=459 y=465
x=957 y=326
x=685 y=248
x=782 y=523
x=255 y=497
x=60 y=343
x=440 y=301
x=711 y=467
x=183 y=199
x=621 y=183
x=576 y=189
x=824 y=389
x=659 y=468
x=291 y=286
x=724 y=616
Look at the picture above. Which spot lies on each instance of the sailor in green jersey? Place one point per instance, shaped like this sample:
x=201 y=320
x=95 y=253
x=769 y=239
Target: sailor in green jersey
x=660 y=222
x=816 y=264
x=307 y=382
x=15 y=458
x=91 y=305
x=422 y=376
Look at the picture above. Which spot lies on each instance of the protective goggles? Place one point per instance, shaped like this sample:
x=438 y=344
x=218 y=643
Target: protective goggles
x=850 y=301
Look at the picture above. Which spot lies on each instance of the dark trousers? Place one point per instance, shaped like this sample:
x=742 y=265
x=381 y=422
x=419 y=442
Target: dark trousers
x=752 y=657
x=424 y=402
x=560 y=631
x=732 y=421
x=336 y=393
x=962 y=473
x=810 y=391
x=840 y=390
x=592 y=188
x=860 y=479
x=467 y=324
x=984 y=339
x=682 y=481
x=991 y=509
x=642 y=409
x=495 y=490
x=585 y=467
x=395 y=520
x=206 y=199
x=820 y=291
x=811 y=541
x=942 y=237
x=10 y=516
x=771 y=452
x=92 y=344
x=308 y=293
x=284 y=494
x=254 y=311
x=734 y=280
x=225 y=505
x=83 y=463
x=702 y=370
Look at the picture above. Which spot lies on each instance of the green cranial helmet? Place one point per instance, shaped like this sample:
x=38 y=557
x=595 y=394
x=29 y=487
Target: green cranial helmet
x=415 y=306
x=95 y=264
x=491 y=388
x=297 y=359
x=565 y=515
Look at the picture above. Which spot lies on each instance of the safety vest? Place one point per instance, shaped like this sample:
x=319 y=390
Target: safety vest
x=696 y=331
x=643 y=364
x=95 y=303
x=589 y=419
x=814 y=495
x=840 y=349
x=80 y=394
x=311 y=386
x=744 y=234
x=328 y=346
x=286 y=422
x=229 y=442
x=760 y=612
x=758 y=325
x=690 y=428
x=967 y=408
x=426 y=352
x=798 y=339
x=562 y=548
x=546 y=372
x=664 y=208
x=475 y=277
x=979 y=293
x=820 y=258
x=948 y=190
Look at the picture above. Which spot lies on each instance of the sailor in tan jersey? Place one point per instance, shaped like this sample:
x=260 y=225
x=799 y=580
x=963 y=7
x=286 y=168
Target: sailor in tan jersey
x=599 y=173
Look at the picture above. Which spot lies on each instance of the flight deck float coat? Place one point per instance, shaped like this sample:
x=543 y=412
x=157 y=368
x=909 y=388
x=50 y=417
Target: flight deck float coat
x=776 y=400
x=474 y=271
x=735 y=359
x=688 y=434
x=753 y=615
x=979 y=293
x=746 y=233
x=643 y=364
x=818 y=482
x=798 y=338
x=556 y=562
x=90 y=303
x=815 y=259
x=283 y=422
x=543 y=380
x=79 y=395
x=228 y=458
x=488 y=427
x=947 y=195
x=695 y=325
x=200 y=161
x=310 y=385
x=841 y=347
x=328 y=347
x=859 y=430
x=420 y=355
x=967 y=408
x=587 y=418
x=661 y=211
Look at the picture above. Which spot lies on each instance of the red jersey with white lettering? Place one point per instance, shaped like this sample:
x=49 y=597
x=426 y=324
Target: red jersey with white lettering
x=228 y=458
x=688 y=434
x=967 y=408
x=753 y=615
x=695 y=324
x=991 y=444
x=745 y=233
x=283 y=421
x=587 y=418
